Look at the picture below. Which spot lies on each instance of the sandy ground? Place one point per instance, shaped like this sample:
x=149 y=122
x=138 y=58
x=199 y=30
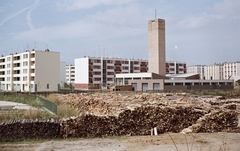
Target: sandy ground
x=163 y=142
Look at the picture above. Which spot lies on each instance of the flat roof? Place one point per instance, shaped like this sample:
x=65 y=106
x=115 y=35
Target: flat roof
x=135 y=75
x=185 y=75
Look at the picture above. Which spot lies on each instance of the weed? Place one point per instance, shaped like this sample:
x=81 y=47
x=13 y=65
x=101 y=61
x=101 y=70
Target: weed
x=64 y=110
x=173 y=141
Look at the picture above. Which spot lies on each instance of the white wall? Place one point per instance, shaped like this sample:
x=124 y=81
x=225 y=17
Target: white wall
x=81 y=70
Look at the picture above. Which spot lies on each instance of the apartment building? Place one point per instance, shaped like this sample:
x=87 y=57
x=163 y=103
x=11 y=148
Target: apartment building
x=197 y=69
x=70 y=74
x=214 y=72
x=173 y=67
x=30 y=71
x=95 y=73
x=220 y=71
x=231 y=70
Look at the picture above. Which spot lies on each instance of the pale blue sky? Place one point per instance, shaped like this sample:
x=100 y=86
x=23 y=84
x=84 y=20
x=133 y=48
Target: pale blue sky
x=197 y=32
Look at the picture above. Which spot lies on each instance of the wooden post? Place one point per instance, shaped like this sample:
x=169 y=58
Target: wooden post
x=155 y=131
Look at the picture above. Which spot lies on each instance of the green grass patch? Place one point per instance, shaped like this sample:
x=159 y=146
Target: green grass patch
x=31 y=100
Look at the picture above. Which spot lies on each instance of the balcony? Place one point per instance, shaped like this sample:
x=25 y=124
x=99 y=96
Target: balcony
x=32 y=78
x=2 y=72
x=110 y=70
x=2 y=60
x=110 y=64
x=16 y=72
x=125 y=65
x=32 y=55
x=99 y=64
x=96 y=69
x=2 y=66
x=16 y=78
x=97 y=76
x=110 y=76
x=16 y=65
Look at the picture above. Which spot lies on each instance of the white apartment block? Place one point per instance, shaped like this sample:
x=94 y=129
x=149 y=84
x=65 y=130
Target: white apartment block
x=214 y=72
x=95 y=73
x=231 y=70
x=173 y=67
x=30 y=71
x=70 y=74
x=197 y=69
x=219 y=71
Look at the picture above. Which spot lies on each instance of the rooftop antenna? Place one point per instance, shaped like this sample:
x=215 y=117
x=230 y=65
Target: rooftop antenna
x=99 y=55
x=103 y=50
x=155 y=14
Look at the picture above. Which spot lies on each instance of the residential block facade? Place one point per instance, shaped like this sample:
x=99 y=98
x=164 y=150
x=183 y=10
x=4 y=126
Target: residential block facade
x=30 y=71
x=231 y=70
x=213 y=72
x=173 y=67
x=94 y=73
x=70 y=74
x=220 y=71
x=197 y=69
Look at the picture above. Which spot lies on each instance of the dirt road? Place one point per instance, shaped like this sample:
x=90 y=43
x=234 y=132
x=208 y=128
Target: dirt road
x=163 y=142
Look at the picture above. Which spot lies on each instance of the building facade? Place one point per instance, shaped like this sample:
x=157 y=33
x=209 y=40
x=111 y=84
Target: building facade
x=173 y=67
x=197 y=69
x=156 y=46
x=220 y=71
x=214 y=72
x=30 y=71
x=231 y=70
x=70 y=74
x=96 y=73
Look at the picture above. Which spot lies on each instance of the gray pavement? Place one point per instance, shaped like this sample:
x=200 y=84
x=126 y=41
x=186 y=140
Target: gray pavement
x=14 y=105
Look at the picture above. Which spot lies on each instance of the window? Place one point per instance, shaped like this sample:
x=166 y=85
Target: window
x=8 y=65
x=25 y=56
x=8 y=72
x=144 y=87
x=25 y=78
x=156 y=86
x=25 y=63
x=47 y=86
x=24 y=70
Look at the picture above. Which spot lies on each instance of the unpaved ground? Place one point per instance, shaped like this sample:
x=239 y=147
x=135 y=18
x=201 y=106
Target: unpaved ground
x=163 y=142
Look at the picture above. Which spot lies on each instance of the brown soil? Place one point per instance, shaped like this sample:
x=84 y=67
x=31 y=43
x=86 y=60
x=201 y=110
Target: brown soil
x=189 y=142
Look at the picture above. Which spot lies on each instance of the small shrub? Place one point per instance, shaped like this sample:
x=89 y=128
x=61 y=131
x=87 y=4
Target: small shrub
x=53 y=98
x=65 y=111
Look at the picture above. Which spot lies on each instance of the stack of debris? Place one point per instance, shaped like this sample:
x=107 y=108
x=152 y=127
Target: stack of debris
x=137 y=122
x=23 y=129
